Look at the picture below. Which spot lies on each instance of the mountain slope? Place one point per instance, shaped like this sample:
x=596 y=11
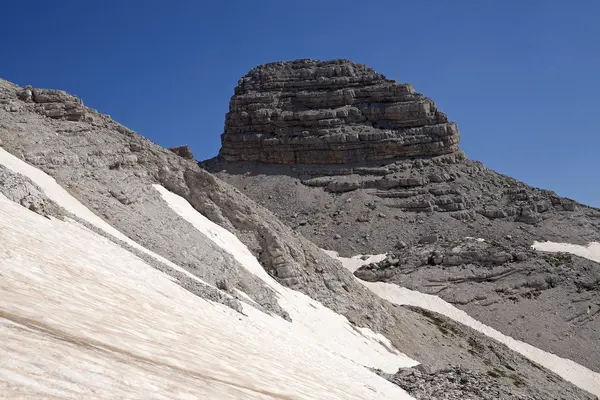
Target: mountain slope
x=82 y=317
x=106 y=179
x=450 y=226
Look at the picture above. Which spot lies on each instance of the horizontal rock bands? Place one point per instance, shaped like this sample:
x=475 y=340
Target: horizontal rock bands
x=331 y=112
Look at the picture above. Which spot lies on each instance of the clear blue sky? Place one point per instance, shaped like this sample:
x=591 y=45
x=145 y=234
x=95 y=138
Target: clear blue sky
x=521 y=78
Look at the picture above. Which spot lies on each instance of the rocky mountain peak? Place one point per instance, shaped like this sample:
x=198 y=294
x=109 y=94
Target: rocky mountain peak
x=331 y=112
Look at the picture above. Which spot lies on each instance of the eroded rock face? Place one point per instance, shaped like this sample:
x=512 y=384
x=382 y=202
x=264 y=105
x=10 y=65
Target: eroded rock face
x=330 y=112
x=183 y=152
x=52 y=103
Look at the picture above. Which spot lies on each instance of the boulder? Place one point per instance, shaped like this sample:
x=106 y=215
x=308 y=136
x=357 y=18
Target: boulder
x=182 y=151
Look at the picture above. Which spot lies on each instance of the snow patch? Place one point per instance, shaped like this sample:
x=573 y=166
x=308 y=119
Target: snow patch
x=591 y=251
x=567 y=369
x=245 y=296
x=355 y=262
x=60 y=196
x=81 y=317
x=309 y=317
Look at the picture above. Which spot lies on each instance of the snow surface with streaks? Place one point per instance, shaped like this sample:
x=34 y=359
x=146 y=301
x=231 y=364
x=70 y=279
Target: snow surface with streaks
x=81 y=317
x=569 y=370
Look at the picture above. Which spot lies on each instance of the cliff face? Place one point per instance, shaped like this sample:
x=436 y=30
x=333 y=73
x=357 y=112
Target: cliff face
x=330 y=112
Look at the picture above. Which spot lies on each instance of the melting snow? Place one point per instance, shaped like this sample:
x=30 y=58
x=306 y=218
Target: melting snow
x=477 y=239
x=309 y=317
x=355 y=262
x=567 y=369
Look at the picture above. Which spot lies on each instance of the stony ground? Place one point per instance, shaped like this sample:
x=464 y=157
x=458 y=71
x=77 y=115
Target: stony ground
x=111 y=169
x=424 y=208
x=552 y=300
x=503 y=377
x=455 y=383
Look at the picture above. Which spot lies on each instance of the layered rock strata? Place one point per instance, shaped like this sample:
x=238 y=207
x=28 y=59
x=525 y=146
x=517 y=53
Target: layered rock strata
x=330 y=112
x=52 y=103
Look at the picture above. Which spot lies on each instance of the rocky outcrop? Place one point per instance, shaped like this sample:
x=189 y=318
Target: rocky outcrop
x=52 y=103
x=26 y=193
x=331 y=112
x=182 y=151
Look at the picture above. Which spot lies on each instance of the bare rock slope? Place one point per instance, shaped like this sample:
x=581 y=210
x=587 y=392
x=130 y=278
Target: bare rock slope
x=422 y=208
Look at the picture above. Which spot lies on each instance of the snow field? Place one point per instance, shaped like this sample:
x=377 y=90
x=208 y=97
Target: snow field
x=60 y=196
x=82 y=317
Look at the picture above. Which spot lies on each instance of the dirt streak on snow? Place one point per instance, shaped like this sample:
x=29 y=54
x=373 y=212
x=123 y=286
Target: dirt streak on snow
x=567 y=369
x=81 y=317
x=63 y=198
x=591 y=251
x=310 y=318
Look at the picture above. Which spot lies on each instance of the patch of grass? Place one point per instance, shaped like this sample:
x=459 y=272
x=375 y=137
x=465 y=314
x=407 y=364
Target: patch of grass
x=535 y=365
x=496 y=373
x=518 y=381
x=508 y=367
x=558 y=259
x=444 y=327
x=477 y=347
x=443 y=330
x=493 y=374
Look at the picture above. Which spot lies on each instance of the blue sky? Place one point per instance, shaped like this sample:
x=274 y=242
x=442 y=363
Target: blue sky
x=521 y=78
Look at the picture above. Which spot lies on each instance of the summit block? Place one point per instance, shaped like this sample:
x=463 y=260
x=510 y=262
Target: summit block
x=330 y=112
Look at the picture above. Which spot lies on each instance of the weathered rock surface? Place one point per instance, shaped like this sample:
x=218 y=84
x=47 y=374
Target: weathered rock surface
x=331 y=112
x=53 y=103
x=552 y=300
x=502 y=378
x=416 y=201
x=183 y=151
x=26 y=193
